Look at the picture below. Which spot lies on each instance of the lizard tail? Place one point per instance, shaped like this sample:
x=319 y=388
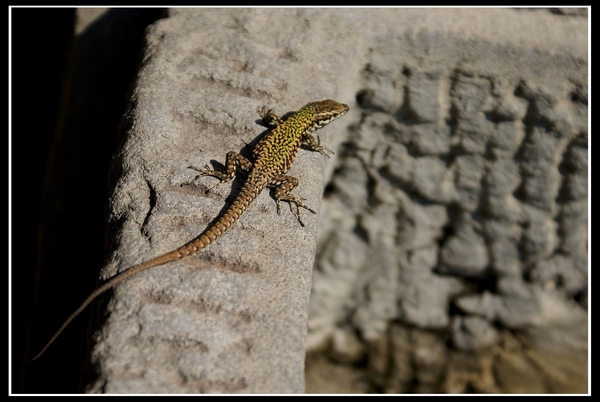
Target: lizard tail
x=245 y=198
x=112 y=282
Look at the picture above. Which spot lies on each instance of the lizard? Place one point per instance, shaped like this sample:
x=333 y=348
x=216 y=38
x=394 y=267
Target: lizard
x=272 y=157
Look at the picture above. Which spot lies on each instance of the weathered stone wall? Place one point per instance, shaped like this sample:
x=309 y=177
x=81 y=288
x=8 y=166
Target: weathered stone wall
x=452 y=249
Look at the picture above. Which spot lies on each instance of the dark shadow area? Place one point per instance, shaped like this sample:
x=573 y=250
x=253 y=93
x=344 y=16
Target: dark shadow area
x=68 y=95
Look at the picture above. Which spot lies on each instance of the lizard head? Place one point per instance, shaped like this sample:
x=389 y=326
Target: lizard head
x=327 y=111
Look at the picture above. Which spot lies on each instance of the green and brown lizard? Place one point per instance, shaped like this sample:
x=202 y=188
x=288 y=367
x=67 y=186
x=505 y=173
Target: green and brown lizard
x=273 y=156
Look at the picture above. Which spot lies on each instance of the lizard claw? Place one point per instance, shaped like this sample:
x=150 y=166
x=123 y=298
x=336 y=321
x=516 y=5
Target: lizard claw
x=321 y=149
x=296 y=201
x=207 y=171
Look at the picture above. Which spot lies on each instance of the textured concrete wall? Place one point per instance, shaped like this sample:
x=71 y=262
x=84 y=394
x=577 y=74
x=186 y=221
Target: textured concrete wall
x=452 y=250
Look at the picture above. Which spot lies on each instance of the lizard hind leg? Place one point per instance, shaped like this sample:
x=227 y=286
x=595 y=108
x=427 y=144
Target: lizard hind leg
x=234 y=162
x=283 y=185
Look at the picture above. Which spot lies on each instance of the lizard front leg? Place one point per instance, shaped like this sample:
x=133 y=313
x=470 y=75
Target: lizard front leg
x=315 y=145
x=269 y=117
x=282 y=185
x=234 y=162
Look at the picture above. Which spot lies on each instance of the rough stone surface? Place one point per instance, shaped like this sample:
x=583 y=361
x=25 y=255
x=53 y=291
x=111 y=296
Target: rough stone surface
x=233 y=318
